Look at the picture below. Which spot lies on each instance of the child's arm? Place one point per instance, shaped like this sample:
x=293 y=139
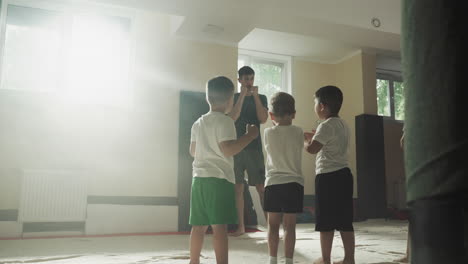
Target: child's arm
x=193 y=144
x=311 y=146
x=236 y=110
x=193 y=138
x=232 y=147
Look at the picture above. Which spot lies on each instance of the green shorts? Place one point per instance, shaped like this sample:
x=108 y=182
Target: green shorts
x=212 y=202
x=252 y=161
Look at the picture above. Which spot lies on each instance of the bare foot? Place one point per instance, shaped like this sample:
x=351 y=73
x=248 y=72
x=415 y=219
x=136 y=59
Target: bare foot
x=402 y=260
x=320 y=261
x=238 y=232
x=345 y=262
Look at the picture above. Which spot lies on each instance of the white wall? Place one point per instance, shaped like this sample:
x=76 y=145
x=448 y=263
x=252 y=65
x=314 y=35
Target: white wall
x=126 y=151
x=164 y=66
x=133 y=151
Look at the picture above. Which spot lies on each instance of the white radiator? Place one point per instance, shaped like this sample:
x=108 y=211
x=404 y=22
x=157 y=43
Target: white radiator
x=53 y=196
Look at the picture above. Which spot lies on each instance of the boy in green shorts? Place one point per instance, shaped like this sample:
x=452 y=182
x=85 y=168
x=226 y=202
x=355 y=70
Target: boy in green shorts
x=213 y=144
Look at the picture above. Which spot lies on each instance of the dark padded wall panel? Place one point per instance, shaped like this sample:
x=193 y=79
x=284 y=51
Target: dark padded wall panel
x=370 y=156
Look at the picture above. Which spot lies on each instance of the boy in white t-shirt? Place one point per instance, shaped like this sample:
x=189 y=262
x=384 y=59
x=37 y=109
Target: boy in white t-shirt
x=284 y=191
x=213 y=144
x=334 y=181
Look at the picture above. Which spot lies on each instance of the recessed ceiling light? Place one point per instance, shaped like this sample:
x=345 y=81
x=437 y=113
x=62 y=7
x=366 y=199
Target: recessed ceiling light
x=375 y=22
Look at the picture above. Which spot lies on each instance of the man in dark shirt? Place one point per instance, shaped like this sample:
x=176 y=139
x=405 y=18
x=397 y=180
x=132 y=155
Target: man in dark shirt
x=250 y=107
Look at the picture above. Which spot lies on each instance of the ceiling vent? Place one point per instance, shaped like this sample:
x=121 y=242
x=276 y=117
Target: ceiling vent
x=213 y=29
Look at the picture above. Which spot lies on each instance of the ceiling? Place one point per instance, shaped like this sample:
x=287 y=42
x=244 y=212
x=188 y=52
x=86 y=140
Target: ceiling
x=321 y=30
x=299 y=46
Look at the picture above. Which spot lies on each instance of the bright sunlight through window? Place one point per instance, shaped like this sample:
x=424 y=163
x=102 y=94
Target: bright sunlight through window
x=84 y=58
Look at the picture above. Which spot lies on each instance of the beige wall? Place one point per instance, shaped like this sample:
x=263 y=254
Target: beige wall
x=349 y=80
x=369 y=83
x=126 y=151
x=307 y=77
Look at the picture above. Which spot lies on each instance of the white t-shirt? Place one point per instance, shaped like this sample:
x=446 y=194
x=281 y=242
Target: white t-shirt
x=208 y=131
x=284 y=145
x=333 y=134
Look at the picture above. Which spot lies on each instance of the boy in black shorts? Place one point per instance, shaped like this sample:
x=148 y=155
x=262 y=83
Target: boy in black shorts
x=334 y=181
x=284 y=185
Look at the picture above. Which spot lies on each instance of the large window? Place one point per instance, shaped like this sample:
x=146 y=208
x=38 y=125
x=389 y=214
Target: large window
x=84 y=57
x=390 y=97
x=272 y=72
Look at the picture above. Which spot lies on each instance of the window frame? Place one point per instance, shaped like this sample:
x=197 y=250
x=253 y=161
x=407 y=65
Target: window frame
x=391 y=78
x=68 y=10
x=283 y=61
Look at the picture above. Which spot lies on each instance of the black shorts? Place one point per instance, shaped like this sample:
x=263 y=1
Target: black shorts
x=334 y=201
x=284 y=198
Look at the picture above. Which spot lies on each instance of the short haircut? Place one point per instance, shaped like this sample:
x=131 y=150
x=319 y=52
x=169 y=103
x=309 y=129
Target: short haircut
x=283 y=104
x=246 y=70
x=219 y=90
x=331 y=96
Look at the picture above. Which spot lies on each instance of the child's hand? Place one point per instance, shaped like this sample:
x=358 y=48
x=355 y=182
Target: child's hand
x=252 y=131
x=309 y=135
